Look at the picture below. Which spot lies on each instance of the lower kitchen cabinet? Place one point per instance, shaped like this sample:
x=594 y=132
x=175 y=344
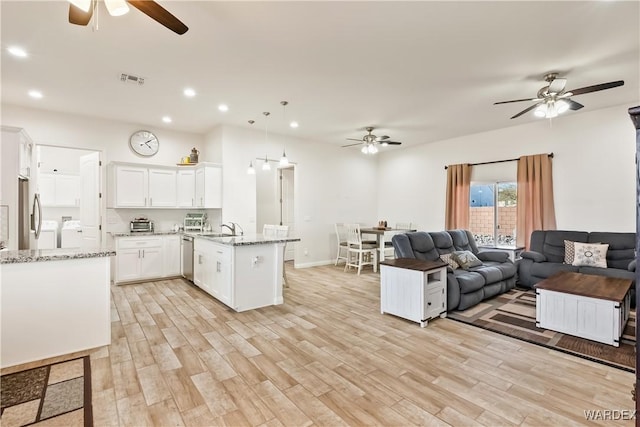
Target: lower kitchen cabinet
x=212 y=269
x=147 y=257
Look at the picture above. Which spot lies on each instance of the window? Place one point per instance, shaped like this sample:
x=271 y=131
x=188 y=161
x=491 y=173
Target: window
x=492 y=213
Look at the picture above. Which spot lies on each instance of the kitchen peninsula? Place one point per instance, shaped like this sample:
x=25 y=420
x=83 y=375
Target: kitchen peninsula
x=243 y=272
x=54 y=302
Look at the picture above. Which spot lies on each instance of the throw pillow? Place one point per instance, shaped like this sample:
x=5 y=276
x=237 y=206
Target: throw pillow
x=449 y=260
x=591 y=254
x=466 y=259
x=569 y=252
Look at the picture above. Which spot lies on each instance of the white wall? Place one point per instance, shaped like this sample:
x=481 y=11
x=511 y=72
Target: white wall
x=593 y=170
x=332 y=184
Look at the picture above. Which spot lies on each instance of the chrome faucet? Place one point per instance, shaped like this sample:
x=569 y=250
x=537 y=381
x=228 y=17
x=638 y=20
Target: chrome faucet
x=232 y=228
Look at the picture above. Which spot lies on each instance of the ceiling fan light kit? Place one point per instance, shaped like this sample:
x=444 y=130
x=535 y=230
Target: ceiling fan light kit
x=116 y=7
x=552 y=100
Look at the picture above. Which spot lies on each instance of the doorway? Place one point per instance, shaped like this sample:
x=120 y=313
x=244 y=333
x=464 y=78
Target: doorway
x=69 y=183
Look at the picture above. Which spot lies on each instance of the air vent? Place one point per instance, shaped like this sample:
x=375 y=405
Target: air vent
x=128 y=78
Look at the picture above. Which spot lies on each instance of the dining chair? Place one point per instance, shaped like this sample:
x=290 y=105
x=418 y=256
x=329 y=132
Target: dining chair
x=359 y=254
x=341 y=238
x=269 y=230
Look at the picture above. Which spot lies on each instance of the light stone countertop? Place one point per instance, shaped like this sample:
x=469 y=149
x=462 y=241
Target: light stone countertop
x=247 y=239
x=39 y=255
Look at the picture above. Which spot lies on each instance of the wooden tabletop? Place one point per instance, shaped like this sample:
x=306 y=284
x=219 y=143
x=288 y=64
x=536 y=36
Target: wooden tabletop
x=376 y=230
x=586 y=285
x=414 y=264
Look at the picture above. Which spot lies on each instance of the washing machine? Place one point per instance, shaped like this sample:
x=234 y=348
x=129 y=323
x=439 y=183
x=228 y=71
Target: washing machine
x=48 y=235
x=71 y=234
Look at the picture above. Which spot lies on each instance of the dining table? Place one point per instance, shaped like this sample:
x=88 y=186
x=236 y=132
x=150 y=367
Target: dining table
x=380 y=233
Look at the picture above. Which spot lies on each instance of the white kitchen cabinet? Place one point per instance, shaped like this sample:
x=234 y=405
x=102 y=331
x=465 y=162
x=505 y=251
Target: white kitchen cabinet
x=221 y=273
x=186 y=182
x=26 y=154
x=208 y=192
x=59 y=190
x=139 y=258
x=171 y=255
x=413 y=289
x=130 y=185
x=162 y=188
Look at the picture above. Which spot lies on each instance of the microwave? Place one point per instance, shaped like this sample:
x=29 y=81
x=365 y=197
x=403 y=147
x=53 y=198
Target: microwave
x=141 y=225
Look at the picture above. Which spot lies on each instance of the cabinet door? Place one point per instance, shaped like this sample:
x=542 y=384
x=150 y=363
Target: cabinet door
x=131 y=186
x=221 y=271
x=127 y=264
x=67 y=187
x=213 y=187
x=198 y=269
x=162 y=188
x=435 y=303
x=151 y=263
x=47 y=189
x=26 y=154
x=200 y=182
x=171 y=254
x=186 y=188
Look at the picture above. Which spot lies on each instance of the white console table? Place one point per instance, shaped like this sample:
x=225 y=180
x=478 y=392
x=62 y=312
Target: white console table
x=413 y=289
x=513 y=251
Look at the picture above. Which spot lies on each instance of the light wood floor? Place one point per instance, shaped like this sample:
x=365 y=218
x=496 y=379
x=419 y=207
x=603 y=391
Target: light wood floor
x=327 y=357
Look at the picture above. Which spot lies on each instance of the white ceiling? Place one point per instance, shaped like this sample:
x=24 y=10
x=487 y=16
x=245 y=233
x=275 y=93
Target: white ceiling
x=418 y=71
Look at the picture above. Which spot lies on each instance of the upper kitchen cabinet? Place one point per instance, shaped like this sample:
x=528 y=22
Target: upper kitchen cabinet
x=13 y=135
x=139 y=186
x=59 y=190
x=208 y=186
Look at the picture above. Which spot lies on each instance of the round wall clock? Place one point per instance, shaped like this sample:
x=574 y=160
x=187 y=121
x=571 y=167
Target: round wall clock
x=144 y=143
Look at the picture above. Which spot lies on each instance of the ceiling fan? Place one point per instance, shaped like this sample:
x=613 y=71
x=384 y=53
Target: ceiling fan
x=553 y=99
x=370 y=140
x=81 y=11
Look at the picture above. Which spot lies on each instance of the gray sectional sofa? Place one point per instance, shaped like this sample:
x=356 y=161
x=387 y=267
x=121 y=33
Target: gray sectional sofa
x=465 y=287
x=547 y=255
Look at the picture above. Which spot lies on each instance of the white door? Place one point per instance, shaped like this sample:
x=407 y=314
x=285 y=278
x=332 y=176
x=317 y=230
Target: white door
x=286 y=200
x=90 y=200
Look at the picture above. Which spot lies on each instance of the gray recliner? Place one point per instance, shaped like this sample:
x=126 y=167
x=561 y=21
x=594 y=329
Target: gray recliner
x=465 y=288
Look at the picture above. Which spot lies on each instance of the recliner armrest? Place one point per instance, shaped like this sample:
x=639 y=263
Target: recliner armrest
x=496 y=256
x=632 y=265
x=533 y=256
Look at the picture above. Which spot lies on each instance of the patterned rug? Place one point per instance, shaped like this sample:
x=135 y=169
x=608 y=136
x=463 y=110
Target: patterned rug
x=57 y=394
x=514 y=314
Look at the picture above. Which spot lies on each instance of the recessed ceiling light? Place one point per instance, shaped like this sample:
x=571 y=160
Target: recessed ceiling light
x=167 y=119
x=35 y=94
x=189 y=92
x=17 y=51
x=223 y=107
x=293 y=124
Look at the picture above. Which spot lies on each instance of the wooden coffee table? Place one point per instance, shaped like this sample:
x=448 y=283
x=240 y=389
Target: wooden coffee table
x=584 y=305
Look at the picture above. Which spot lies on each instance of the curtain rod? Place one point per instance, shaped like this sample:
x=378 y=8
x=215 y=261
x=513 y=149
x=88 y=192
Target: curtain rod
x=497 y=161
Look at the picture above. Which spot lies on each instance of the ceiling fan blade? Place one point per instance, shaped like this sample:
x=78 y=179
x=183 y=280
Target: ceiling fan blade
x=556 y=85
x=353 y=139
x=573 y=105
x=351 y=145
x=78 y=16
x=526 y=110
x=382 y=138
x=390 y=143
x=160 y=15
x=516 y=100
x=595 y=88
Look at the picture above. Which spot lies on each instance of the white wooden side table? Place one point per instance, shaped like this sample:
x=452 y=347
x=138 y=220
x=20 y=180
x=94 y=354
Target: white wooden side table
x=413 y=289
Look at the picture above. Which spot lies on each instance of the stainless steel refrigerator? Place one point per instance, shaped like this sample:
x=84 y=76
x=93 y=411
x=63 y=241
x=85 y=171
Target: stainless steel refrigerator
x=29 y=216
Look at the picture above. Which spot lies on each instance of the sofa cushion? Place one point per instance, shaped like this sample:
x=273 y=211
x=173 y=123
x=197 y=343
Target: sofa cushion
x=621 y=247
x=490 y=274
x=550 y=243
x=590 y=254
x=422 y=245
x=608 y=272
x=442 y=241
x=466 y=259
x=508 y=269
x=546 y=269
x=463 y=240
x=469 y=281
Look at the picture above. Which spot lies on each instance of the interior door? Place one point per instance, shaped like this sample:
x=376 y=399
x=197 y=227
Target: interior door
x=90 y=200
x=286 y=208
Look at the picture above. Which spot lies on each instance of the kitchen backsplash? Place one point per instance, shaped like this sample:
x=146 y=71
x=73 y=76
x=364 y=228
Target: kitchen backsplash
x=163 y=219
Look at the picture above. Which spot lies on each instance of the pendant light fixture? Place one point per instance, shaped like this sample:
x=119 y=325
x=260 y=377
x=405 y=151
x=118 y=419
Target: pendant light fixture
x=266 y=166
x=251 y=170
x=283 y=160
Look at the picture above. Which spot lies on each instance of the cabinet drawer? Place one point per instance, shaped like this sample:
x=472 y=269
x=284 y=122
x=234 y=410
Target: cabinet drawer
x=150 y=242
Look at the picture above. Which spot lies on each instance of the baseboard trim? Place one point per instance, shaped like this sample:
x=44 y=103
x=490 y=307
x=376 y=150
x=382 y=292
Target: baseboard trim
x=312 y=264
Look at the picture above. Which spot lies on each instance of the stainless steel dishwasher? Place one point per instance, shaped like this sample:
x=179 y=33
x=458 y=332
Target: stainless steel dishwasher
x=186 y=250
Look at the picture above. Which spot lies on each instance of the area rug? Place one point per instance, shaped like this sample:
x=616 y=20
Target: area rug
x=56 y=394
x=514 y=314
